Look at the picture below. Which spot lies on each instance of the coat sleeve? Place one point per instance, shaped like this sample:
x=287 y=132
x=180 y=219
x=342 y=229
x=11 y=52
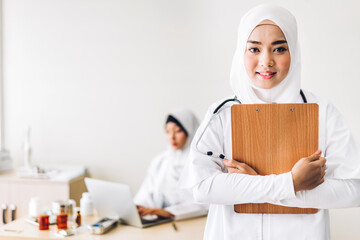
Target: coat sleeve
x=234 y=188
x=333 y=193
x=145 y=195
x=208 y=178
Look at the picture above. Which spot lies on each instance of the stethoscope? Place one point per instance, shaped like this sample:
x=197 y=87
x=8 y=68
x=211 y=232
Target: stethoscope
x=216 y=112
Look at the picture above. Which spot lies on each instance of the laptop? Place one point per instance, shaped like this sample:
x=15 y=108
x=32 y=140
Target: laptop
x=114 y=200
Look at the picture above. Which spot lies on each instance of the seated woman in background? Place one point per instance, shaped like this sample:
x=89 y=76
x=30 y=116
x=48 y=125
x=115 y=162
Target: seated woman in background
x=159 y=194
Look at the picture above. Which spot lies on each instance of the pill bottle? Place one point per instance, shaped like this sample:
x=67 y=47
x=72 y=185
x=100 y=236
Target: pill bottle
x=86 y=205
x=43 y=222
x=34 y=207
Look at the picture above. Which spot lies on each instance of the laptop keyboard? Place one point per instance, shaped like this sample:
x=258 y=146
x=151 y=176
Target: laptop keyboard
x=144 y=221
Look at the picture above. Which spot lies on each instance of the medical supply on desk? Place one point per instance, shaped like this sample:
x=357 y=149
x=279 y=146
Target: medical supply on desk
x=103 y=225
x=70 y=206
x=13 y=211
x=66 y=232
x=44 y=222
x=34 y=207
x=78 y=219
x=72 y=231
x=62 y=218
x=86 y=205
x=4 y=208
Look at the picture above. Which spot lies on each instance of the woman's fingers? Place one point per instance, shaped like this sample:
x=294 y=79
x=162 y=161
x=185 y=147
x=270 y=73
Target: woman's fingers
x=146 y=211
x=234 y=170
x=233 y=163
x=162 y=213
x=234 y=166
x=155 y=211
x=316 y=155
x=308 y=172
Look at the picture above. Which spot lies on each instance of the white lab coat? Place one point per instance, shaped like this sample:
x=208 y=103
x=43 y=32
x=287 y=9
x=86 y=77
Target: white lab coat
x=211 y=183
x=160 y=187
x=208 y=178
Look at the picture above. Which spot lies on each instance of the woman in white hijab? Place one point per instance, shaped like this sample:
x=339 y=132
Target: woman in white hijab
x=266 y=69
x=159 y=194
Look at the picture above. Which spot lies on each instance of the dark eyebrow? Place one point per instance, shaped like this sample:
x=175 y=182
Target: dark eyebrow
x=254 y=42
x=279 y=42
x=274 y=43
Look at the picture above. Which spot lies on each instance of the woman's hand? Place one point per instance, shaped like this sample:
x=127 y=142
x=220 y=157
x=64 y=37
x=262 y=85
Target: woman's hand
x=154 y=211
x=309 y=172
x=234 y=166
x=140 y=208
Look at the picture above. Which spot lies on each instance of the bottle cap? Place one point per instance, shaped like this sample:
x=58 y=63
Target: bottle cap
x=86 y=195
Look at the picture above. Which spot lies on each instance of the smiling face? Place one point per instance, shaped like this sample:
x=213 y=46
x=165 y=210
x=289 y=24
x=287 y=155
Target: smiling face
x=175 y=135
x=267 y=56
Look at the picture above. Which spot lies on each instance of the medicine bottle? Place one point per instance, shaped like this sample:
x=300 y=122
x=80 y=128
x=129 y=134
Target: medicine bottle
x=43 y=222
x=86 y=205
x=78 y=219
x=61 y=219
x=34 y=207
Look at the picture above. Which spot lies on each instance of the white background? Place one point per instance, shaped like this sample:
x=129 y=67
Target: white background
x=95 y=79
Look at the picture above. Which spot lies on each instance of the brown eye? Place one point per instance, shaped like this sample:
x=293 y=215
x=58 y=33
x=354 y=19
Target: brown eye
x=254 y=50
x=280 y=49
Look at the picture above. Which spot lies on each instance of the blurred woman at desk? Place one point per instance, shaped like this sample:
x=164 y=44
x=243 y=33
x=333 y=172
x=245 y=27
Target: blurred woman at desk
x=159 y=194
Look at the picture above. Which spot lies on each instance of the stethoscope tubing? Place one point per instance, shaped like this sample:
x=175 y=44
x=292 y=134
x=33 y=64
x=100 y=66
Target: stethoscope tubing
x=217 y=110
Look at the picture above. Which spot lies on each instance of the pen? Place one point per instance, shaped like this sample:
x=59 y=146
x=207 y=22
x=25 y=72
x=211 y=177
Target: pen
x=174 y=226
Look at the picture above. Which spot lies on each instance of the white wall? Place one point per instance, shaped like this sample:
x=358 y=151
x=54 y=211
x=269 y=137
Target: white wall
x=95 y=78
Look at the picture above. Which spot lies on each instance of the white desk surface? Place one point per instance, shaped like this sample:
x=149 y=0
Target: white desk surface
x=187 y=229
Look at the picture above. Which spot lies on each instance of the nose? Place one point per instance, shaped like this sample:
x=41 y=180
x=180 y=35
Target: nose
x=266 y=59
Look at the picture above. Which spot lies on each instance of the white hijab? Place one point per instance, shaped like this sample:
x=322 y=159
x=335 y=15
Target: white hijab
x=287 y=91
x=176 y=159
x=188 y=120
x=343 y=162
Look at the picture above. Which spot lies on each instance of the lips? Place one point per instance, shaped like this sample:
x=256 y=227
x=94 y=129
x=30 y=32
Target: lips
x=266 y=74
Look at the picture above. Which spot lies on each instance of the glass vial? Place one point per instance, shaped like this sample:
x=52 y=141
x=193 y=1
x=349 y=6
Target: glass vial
x=61 y=219
x=44 y=222
x=78 y=219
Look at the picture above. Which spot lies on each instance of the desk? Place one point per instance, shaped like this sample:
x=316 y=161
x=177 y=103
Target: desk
x=187 y=229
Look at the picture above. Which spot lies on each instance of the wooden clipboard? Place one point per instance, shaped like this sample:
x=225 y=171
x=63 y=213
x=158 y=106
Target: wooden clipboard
x=271 y=138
